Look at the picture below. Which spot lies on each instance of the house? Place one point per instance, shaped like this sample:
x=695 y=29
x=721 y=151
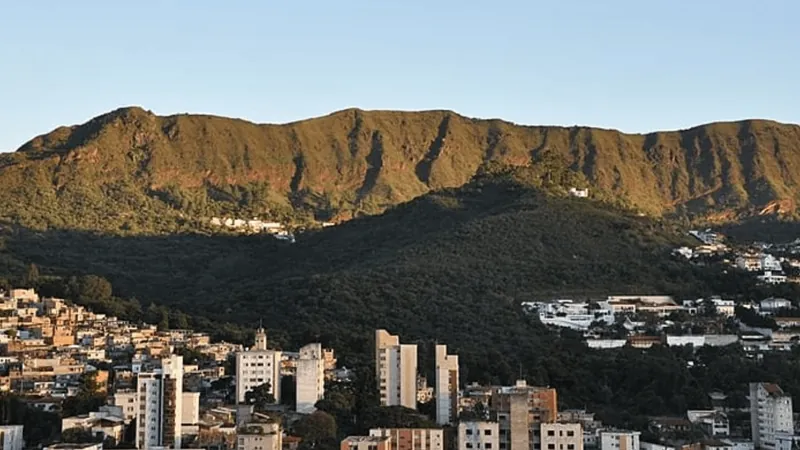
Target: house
x=619 y=440
x=771 y=305
x=670 y=424
x=660 y=305
x=714 y=423
x=770 y=277
x=787 y=322
x=580 y=193
x=574 y=315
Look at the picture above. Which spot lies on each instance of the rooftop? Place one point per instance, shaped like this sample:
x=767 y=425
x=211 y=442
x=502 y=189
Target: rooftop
x=374 y=439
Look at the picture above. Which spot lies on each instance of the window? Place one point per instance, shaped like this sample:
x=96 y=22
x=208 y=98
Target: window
x=469 y=432
x=570 y=446
x=487 y=446
x=570 y=433
x=487 y=432
x=551 y=432
x=551 y=446
x=469 y=444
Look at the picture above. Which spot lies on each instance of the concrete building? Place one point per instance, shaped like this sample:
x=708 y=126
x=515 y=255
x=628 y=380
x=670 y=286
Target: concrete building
x=478 y=435
x=126 y=401
x=446 y=386
x=256 y=367
x=619 y=440
x=11 y=437
x=310 y=378
x=395 y=370
x=714 y=423
x=514 y=423
x=259 y=433
x=190 y=413
x=160 y=405
x=365 y=443
x=770 y=414
x=558 y=436
x=412 y=438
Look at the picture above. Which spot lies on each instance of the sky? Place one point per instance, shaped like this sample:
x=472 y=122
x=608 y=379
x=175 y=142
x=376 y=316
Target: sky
x=634 y=65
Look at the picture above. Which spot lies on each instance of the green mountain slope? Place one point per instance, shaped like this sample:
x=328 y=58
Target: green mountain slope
x=130 y=170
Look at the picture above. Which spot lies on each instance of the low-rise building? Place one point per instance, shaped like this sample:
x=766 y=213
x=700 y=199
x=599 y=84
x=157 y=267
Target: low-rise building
x=366 y=443
x=619 y=440
x=478 y=435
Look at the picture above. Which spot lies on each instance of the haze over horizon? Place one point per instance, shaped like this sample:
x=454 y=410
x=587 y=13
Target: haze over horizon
x=625 y=64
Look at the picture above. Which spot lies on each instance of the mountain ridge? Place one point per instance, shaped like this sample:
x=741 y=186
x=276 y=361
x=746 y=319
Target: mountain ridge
x=354 y=162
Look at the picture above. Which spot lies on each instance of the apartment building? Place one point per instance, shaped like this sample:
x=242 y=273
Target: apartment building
x=411 y=438
x=447 y=383
x=558 y=436
x=160 y=405
x=310 y=378
x=366 y=443
x=770 y=415
x=478 y=435
x=619 y=440
x=256 y=367
x=395 y=370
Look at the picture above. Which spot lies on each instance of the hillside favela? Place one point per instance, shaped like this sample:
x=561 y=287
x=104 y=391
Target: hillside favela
x=378 y=225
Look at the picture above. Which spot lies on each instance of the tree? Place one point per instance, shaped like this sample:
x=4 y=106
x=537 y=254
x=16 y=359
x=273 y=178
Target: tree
x=260 y=396
x=316 y=429
x=88 y=399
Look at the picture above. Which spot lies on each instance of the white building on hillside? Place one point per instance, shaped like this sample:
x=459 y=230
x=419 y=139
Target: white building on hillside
x=447 y=383
x=575 y=315
x=619 y=440
x=160 y=405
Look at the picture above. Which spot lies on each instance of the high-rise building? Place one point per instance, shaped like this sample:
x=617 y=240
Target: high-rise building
x=310 y=378
x=521 y=410
x=412 y=438
x=256 y=367
x=770 y=415
x=160 y=405
x=446 y=386
x=395 y=370
x=478 y=435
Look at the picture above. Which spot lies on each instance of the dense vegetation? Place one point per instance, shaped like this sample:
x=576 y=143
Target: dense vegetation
x=131 y=172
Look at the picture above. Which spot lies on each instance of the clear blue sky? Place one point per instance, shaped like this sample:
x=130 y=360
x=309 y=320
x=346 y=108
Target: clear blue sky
x=635 y=65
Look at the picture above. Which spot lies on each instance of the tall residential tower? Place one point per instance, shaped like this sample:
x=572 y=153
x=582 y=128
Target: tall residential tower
x=395 y=370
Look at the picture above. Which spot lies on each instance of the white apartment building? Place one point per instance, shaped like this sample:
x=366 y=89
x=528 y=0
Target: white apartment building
x=310 y=378
x=619 y=440
x=446 y=389
x=11 y=437
x=395 y=370
x=257 y=366
x=559 y=436
x=160 y=405
x=770 y=414
x=126 y=401
x=478 y=435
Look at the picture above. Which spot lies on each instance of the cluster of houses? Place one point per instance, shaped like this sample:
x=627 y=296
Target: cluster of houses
x=644 y=321
x=758 y=258
x=155 y=399
x=275 y=229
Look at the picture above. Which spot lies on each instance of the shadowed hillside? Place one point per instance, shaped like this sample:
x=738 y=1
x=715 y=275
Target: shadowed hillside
x=132 y=171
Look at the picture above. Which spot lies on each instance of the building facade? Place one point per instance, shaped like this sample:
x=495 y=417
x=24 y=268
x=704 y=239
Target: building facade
x=558 y=436
x=11 y=437
x=395 y=370
x=770 y=414
x=256 y=367
x=447 y=383
x=478 y=435
x=160 y=405
x=411 y=438
x=310 y=378
x=365 y=443
x=259 y=435
x=619 y=440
